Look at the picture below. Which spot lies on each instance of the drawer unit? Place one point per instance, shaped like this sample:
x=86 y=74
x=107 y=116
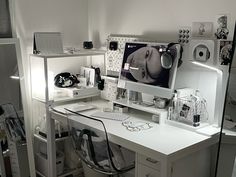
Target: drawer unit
x=148 y=161
x=144 y=171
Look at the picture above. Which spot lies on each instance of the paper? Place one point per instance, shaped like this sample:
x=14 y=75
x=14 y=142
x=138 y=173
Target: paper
x=75 y=107
x=121 y=84
x=48 y=43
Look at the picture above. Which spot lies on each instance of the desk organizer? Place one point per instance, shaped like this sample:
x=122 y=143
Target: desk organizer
x=190 y=111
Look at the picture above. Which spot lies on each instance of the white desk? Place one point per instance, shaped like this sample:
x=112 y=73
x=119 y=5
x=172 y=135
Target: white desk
x=164 y=142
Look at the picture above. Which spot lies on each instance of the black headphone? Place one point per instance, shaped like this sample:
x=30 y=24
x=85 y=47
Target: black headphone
x=65 y=79
x=180 y=61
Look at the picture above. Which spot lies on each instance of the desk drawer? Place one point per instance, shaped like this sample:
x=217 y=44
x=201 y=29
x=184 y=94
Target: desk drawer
x=148 y=161
x=144 y=171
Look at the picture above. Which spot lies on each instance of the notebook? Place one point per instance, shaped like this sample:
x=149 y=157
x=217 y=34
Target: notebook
x=74 y=107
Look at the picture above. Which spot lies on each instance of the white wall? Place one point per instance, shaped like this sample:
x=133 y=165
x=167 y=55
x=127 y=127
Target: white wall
x=158 y=19
x=69 y=17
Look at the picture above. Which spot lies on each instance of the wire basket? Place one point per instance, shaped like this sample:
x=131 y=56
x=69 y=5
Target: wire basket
x=191 y=110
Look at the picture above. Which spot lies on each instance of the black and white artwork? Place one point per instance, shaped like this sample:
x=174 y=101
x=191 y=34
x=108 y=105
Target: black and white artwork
x=221 y=27
x=202 y=29
x=225 y=52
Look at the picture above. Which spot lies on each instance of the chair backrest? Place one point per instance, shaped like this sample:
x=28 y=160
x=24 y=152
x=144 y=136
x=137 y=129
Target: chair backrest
x=91 y=143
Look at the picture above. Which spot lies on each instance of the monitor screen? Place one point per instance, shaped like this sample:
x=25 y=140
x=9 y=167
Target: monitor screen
x=149 y=68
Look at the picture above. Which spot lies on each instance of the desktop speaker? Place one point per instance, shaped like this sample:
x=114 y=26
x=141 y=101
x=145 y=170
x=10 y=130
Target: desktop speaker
x=202 y=50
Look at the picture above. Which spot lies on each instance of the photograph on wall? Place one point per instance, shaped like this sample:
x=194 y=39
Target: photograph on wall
x=145 y=63
x=222 y=30
x=202 y=29
x=225 y=48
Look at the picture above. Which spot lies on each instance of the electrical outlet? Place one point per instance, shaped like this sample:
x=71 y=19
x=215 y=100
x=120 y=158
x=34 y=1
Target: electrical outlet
x=184 y=35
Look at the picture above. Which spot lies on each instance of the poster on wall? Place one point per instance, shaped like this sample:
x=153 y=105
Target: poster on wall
x=202 y=29
x=222 y=30
x=224 y=52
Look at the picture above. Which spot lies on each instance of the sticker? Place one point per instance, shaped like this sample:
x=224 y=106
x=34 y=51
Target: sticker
x=126 y=67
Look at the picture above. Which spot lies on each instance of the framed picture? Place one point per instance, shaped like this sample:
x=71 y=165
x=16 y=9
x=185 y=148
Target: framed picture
x=224 y=52
x=202 y=29
x=222 y=30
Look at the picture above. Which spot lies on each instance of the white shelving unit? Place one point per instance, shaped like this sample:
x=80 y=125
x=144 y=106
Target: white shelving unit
x=43 y=70
x=41 y=138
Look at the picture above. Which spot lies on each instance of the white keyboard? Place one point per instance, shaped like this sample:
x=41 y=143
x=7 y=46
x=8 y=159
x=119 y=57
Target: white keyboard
x=75 y=107
x=110 y=115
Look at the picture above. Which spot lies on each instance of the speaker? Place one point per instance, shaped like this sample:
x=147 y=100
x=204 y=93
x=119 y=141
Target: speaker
x=202 y=50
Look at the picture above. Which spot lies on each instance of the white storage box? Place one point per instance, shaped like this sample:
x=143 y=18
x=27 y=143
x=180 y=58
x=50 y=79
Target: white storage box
x=42 y=164
x=83 y=91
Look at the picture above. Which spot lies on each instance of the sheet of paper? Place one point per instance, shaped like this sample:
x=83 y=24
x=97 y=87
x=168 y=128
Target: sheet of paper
x=121 y=84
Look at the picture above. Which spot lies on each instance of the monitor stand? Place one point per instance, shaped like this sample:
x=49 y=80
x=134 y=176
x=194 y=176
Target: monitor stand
x=136 y=98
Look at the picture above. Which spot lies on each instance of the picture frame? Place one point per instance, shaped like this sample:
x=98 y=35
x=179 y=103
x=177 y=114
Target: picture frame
x=221 y=26
x=202 y=29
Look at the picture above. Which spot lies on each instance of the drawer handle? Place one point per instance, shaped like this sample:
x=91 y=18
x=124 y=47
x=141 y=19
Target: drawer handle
x=151 y=160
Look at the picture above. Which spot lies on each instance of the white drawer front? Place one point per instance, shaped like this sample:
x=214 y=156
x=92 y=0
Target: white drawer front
x=144 y=171
x=148 y=161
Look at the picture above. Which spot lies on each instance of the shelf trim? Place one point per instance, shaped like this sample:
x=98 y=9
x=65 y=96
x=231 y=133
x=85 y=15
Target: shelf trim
x=4 y=41
x=41 y=138
x=66 y=99
x=79 y=54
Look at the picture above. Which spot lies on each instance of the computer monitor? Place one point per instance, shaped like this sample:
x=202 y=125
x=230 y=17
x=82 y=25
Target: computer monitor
x=149 y=68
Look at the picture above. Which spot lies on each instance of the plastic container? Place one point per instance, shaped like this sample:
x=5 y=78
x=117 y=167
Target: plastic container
x=42 y=164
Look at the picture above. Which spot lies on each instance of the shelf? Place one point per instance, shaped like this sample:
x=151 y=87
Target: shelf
x=149 y=109
x=66 y=172
x=41 y=138
x=83 y=52
x=66 y=98
x=8 y=40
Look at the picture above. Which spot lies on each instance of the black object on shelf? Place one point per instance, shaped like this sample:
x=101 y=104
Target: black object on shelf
x=88 y=44
x=113 y=45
